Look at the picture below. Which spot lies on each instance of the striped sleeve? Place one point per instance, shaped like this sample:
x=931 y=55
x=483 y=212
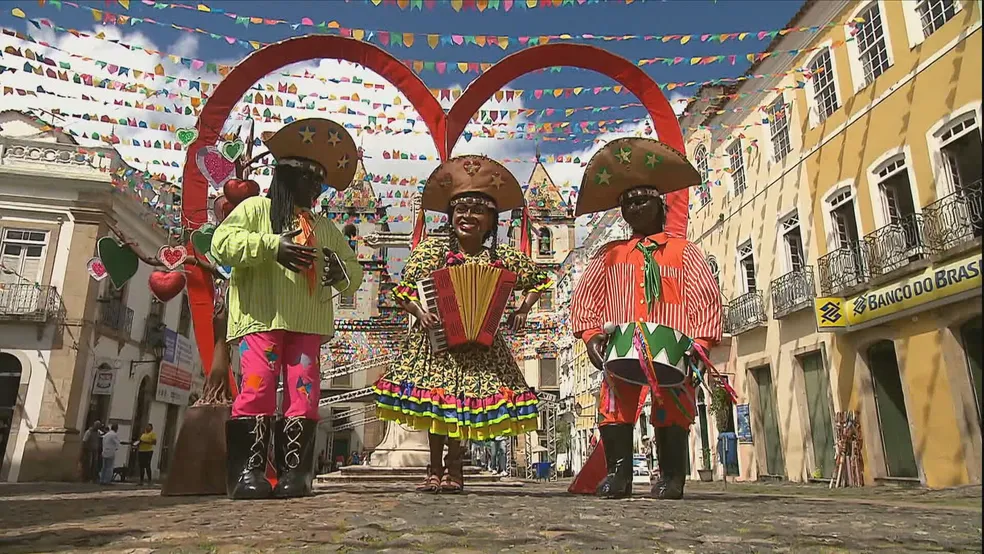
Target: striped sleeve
x=588 y=299
x=702 y=297
x=237 y=243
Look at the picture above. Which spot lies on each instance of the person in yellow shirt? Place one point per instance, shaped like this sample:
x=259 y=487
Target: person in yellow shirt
x=145 y=452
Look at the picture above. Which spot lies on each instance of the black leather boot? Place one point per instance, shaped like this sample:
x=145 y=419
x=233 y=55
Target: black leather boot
x=247 y=450
x=617 y=440
x=671 y=445
x=294 y=445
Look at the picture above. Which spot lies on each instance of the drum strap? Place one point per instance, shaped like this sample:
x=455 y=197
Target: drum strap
x=651 y=276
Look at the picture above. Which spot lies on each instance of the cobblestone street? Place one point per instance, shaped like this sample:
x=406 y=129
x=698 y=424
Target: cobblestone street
x=533 y=518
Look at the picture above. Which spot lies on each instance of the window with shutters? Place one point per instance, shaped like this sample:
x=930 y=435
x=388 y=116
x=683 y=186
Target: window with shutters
x=737 y=159
x=703 y=191
x=844 y=219
x=823 y=85
x=346 y=301
x=22 y=254
x=934 y=13
x=548 y=373
x=546 y=301
x=961 y=152
x=545 y=242
x=779 y=130
x=746 y=265
x=184 y=320
x=871 y=44
x=793 y=241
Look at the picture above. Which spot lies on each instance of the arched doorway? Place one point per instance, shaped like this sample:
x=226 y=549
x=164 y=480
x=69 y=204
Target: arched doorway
x=10 y=376
x=970 y=337
x=900 y=461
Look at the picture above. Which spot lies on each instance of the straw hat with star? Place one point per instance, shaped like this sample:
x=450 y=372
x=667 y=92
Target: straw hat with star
x=632 y=164
x=472 y=174
x=318 y=144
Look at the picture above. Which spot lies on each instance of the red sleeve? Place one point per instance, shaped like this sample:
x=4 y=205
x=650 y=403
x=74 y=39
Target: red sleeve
x=587 y=301
x=703 y=298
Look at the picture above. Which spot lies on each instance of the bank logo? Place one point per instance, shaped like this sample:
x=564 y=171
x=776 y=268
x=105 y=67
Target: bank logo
x=830 y=312
x=859 y=305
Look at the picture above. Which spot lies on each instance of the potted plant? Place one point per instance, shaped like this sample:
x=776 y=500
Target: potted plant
x=706 y=474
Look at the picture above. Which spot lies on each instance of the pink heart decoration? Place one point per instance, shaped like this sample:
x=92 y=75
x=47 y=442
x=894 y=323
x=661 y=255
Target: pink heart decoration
x=172 y=256
x=214 y=167
x=165 y=285
x=96 y=269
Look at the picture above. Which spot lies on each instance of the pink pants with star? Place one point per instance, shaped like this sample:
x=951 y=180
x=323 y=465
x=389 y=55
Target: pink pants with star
x=263 y=358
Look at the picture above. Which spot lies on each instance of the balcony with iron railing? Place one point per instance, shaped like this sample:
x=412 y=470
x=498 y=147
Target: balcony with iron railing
x=896 y=245
x=793 y=292
x=29 y=302
x=114 y=315
x=843 y=268
x=956 y=220
x=745 y=313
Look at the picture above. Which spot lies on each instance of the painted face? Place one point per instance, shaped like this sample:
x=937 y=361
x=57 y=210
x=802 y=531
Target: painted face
x=471 y=220
x=644 y=214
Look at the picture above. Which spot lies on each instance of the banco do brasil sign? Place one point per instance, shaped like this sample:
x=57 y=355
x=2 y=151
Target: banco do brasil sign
x=930 y=285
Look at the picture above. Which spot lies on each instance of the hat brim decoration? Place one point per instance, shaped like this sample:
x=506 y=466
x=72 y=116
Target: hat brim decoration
x=629 y=163
x=321 y=141
x=471 y=173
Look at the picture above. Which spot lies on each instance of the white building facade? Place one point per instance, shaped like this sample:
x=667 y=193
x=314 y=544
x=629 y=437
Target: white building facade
x=72 y=349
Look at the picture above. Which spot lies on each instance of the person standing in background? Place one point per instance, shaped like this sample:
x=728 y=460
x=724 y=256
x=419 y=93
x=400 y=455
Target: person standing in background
x=110 y=445
x=92 y=452
x=145 y=452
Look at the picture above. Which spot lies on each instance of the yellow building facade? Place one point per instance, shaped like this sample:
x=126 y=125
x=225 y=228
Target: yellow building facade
x=843 y=215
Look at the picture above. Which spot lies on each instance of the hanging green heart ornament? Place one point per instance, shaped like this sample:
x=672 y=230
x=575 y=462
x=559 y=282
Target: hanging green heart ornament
x=186 y=136
x=202 y=240
x=120 y=260
x=231 y=150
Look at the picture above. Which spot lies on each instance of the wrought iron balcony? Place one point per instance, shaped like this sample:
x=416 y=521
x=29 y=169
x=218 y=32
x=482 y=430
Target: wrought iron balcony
x=955 y=219
x=843 y=268
x=114 y=314
x=745 y=313
x=896 y=245
x=29 y=302
x=792 y=292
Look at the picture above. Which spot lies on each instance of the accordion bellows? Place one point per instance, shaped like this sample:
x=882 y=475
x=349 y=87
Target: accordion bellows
x=470 y=301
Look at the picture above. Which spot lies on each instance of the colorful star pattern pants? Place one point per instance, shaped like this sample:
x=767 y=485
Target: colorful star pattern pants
x=263 y=358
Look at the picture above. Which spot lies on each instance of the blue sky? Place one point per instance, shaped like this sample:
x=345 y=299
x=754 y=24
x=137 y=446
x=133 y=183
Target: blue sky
x=613 y=18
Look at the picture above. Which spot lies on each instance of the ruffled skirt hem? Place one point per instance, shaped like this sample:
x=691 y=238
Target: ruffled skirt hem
x=506 y=413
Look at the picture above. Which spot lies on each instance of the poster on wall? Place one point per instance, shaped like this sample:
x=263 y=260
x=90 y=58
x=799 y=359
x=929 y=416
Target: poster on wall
x=744 y=424
x=175 y=375
x=103 y=382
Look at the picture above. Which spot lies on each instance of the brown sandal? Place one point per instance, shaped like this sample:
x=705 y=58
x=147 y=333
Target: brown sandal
x=452 y=485
x=431 y=484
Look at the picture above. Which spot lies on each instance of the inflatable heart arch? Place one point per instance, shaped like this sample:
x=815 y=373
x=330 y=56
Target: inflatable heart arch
x=445 y=129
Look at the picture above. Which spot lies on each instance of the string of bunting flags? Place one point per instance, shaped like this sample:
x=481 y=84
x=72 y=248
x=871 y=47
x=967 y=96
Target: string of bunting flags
x=203 y=87
x=65 y=73
x=418 y=66
x=436 y=40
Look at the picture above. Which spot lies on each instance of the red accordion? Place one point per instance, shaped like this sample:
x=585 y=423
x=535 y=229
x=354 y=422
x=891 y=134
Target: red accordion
x=470 y=299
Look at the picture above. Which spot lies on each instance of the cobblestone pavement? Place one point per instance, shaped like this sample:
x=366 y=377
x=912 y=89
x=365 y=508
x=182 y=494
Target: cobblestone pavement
x=533 y=518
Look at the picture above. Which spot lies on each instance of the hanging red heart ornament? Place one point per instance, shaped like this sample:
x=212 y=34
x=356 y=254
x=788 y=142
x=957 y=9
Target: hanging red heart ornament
x=165 y=285
x=172 y=256
x=237 y=190
x=445 y=129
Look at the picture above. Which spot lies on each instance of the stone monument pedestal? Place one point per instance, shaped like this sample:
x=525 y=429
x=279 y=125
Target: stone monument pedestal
x=401 y=447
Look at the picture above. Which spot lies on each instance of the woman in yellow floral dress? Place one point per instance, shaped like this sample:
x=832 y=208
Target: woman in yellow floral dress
x=470 y=392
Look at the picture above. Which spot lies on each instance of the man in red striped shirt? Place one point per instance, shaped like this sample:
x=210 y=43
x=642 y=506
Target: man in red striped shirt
x=652 y=277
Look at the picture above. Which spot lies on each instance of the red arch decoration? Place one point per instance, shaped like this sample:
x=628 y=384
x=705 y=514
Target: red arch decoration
x=585 y=57
x=230 y=91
